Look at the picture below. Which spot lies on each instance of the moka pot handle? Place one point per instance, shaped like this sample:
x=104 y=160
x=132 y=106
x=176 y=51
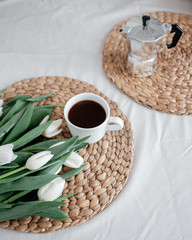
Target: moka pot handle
x=178 y=32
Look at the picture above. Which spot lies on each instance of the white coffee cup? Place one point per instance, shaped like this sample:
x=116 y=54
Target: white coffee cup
x=95 y=133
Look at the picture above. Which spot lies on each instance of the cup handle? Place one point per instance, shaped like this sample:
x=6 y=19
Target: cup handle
x=117 y=124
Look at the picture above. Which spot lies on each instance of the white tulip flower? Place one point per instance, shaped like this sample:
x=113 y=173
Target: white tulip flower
x=38 y=160
x=6 y=154
x=53 y=128
x=51 y=190
x=1 y=102
x=74 y=160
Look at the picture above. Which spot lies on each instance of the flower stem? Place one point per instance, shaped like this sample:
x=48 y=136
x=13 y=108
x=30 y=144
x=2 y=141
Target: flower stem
x=12 y=172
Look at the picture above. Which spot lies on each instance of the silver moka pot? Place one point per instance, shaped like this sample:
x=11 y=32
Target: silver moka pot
x=144 y=36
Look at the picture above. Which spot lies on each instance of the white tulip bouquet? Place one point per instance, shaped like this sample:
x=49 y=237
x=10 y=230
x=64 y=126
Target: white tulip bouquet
x=29 y=180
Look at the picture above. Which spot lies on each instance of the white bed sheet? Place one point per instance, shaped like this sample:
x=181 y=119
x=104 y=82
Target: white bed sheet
x=66 y=38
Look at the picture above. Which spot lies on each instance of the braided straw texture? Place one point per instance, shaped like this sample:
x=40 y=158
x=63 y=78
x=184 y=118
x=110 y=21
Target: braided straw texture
x=108 y=161
x=169 y=89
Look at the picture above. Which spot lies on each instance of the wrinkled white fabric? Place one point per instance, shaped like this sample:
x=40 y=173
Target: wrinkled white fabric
x=66 y=38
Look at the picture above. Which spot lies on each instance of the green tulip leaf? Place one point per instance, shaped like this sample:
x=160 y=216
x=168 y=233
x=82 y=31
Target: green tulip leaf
x=81 y=143
x=82 y=140
x=39 y=98
x=54 y=213
x=10 y=123
x=77 y=147
x=19 y=105
x=5 y=112
x=4 y=205
x=22 y=157
x=44 y=145
x=31 y=135
x=5 y=196
x=27 y=183
x=9 y=165
x=46 y=106
x=21 y=126
x=8 y=106
x=40 y=203
x=12 y=101
x=65 y=197
x=15 y=196
x=26 y=209
x=14 y=176
x=73 y=172
x=53 y=169
x=25 y=172
x=60 y=150
x=38 y=116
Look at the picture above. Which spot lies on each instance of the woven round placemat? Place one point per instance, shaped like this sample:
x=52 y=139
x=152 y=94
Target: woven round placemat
x=108 y=161
x=169 y=89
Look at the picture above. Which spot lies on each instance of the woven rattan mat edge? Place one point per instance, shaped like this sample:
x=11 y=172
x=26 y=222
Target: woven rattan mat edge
x=109 y=161
x=169 y=88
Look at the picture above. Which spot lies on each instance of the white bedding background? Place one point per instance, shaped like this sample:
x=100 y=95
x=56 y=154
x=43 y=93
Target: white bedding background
x=66 y=38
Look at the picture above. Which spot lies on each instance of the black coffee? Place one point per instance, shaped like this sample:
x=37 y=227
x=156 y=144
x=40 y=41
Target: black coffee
x=87 y=114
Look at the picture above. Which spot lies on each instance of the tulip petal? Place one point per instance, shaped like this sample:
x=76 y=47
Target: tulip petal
x=74 y=160
x=14 y=157
x=31 y=135
x=53 y=129
x=57 y=144
x=52 y=190
x=58 y=170
x=54 y=126
x=45 y=119
x=50 y=135
x=6 y=147
x=38 y=160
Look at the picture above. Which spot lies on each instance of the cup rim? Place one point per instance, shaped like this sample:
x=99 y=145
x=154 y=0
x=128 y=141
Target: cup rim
x=87 y=93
